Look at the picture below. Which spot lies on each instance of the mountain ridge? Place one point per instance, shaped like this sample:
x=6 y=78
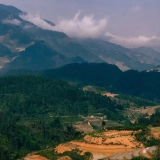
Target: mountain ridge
x=17 y=35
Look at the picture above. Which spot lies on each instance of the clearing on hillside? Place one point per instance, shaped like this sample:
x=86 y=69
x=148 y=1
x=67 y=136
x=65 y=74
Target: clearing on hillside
x=107 y=143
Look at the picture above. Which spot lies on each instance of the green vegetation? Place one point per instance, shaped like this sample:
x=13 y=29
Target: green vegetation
x=29 y=111
x=140 y=84
x=130 y=127
x=154 y=120
x=19 y=138
x=74 y=154
x=145 y=137
x=128 y=101
x=140 y=158
x=34 y=97
x=48 y=154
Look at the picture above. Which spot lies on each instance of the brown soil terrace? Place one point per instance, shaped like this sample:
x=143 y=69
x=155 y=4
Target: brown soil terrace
x=107 y=143
x=34 y=157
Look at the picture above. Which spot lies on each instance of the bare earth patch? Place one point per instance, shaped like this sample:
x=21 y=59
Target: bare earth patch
x=108 y=94
x=107 y=143
x=65 y=147
x=83 y=127
x=156 y=132
x=65 y=158
x=149 y=110
x=34 y=157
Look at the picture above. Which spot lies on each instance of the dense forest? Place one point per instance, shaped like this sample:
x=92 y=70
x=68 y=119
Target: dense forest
x=31 y=96
x=29 y=106
x=32 y=106
x=141 y=84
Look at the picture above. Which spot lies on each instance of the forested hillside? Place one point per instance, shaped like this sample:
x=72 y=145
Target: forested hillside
x=29 y=106
x=33 y=96
x=132 y=82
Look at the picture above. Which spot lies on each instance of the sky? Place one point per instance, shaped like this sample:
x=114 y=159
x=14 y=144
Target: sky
x=131 y=23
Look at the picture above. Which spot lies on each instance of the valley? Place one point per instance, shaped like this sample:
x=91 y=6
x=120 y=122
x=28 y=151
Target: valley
x=55 y=112
x=68 y=98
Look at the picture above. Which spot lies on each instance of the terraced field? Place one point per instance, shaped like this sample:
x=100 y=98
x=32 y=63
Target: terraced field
x=104 y=144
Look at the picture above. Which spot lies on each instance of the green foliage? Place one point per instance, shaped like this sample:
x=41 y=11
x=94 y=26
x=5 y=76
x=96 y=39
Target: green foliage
x=140 y=158
x=23 y=137
x=130 y=127
x=75 y=154
x=32 y=110
x=48 y=154
x=153 y=142
x=140 y=84
x=134 y=101
x=33 y=96
x=154 y=120
x=144 y=136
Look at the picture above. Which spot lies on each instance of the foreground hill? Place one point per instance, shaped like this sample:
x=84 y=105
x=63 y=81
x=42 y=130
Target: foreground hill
x=107 y=145
x=29 y=108
x=43 y=96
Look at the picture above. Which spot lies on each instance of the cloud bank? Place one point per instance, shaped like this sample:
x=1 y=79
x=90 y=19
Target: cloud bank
x=85 y=27
x=12 y=21
x=36 y=20
x=88 y=27
x=134 y=41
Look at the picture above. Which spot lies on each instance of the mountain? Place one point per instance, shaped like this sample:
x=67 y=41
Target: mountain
x=10 y=9
x=111 y=53
x=20 y=37
x=155 y=69
x=39 y=56
x=148 y=55
x=4 y=51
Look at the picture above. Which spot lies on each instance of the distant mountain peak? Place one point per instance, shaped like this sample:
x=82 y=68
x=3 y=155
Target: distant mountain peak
x=18 y=35
x=10 y=9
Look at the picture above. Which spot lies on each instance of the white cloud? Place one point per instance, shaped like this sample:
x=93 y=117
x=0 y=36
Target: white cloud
x=12 y=21
x=36 y=20
x=85 y=27
x=134 y=41
x=88 y=27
